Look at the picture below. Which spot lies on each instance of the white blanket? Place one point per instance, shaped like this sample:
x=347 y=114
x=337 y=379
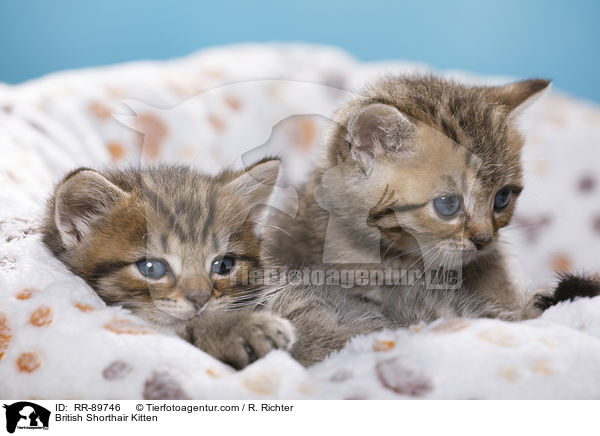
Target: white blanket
x=59 y=340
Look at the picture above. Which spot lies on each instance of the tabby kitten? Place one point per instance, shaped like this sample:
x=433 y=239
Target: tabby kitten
x=165 y=242
x=420 y=174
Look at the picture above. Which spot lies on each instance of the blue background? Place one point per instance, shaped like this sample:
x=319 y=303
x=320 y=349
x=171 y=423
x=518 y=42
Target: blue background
x=553 y=39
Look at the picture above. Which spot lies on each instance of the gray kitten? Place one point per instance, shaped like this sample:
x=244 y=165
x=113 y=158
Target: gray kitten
x=420 y=175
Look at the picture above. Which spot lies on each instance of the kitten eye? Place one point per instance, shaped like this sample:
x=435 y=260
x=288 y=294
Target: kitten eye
x=502 y=198
x=223 y=265
x=152 y=268
x=447 y=205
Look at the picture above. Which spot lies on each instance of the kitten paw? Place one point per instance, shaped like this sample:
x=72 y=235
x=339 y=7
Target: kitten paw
x=543 y=302
x=256 y=337
x=240 y=338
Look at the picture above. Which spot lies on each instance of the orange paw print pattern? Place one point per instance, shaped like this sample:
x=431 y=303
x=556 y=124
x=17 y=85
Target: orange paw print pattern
x=561 y=263
x=212 y=373
x=154 y=130
x=116 y=150
x=5 y=334
x=84 y=307
x=29 y=362
x=380 y=345
x=124 y=326
x=216 y=122
x=41 y=317
x=233 y=103
x=24 y=294
x=99 y=110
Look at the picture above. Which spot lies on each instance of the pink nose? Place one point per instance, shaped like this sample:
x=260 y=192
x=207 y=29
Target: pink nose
x=481 y=240
x=199 y=299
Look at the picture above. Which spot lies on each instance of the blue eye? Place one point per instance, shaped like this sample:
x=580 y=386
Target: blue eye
x=502 y=198
x=223 y=265
x=447 y=205
x=153 y=269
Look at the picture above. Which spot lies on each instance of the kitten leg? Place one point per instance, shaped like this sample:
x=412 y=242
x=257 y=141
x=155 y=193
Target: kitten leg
x=325 y=319
x=238 y=338
x=537 y=303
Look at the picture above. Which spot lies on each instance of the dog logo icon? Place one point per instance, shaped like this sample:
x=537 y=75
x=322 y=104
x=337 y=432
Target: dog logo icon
x=26 y=415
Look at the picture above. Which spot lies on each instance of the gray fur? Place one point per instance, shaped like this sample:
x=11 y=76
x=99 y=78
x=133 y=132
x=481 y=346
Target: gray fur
x=374 y=192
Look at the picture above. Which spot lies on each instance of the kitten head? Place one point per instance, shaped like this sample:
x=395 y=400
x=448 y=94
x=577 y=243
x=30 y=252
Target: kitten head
x=437 y=162
x=162 y=242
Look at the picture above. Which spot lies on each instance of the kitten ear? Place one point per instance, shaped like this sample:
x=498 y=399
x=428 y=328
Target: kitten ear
x=515 y=94
x=375 y=129
x=256 y=183
x=81 y=198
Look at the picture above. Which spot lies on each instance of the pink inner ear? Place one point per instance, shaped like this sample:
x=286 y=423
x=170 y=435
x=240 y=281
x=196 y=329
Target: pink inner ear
x=84 y=196
x=78 y=208
x=380 y=125
x=82 y=207
x=369 y=130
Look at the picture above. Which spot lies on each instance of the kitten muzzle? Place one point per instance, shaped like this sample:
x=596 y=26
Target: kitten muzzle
x=481 y=240
x=198 y=299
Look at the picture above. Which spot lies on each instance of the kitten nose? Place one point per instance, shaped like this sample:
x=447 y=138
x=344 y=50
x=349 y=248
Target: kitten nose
x=198 y=299
x=481 y=240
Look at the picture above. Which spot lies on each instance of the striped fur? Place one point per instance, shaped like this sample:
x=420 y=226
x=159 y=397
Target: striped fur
x=406 y=141
x=101 y=224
